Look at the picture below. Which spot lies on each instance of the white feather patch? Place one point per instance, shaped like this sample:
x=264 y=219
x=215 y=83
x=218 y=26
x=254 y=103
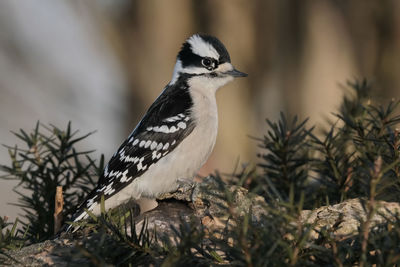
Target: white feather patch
x=173 y=129
x=164 y=129
x=202 y=48
x=142 y=143
x=182 y=125
x=148 y=143
x=153 y=145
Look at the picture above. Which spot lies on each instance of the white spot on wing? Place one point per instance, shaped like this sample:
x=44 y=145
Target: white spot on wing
x=172 y=119
x=109 y=192
x=122 y=155
x=160 y=145
x=173 y=129
x=135 y=142
x=131 y=159
x=115 y=173
x=164 y=129
x=109 y=189
x=139 y=165
x=153 y=145
x=182 y=125
x=101 y=189
x=166 y=146
x=90 y=202
x=142 y=143
x=124 y=177
x=148 y=143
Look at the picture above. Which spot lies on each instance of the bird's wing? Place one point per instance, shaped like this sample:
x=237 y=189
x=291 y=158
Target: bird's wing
x=167 y=122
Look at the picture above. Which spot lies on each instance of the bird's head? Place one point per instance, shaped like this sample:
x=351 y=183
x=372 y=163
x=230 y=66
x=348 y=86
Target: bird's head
x=205 y=60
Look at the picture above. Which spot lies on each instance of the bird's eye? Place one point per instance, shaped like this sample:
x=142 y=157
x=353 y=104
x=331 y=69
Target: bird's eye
x=207 y=63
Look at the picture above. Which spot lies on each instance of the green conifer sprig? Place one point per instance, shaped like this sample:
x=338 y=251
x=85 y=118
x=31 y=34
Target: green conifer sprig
x=49 y=159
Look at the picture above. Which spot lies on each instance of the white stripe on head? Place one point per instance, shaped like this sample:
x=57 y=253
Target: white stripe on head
x=202 y=48
x=191 y=70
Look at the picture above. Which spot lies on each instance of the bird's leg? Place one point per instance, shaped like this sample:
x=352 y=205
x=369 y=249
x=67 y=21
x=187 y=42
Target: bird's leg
x=183 y=190
x=184 y=185
x=146 y=204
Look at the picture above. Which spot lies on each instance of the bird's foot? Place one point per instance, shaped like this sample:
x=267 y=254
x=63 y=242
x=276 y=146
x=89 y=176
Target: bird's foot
x=183 y=191
x=185 y=185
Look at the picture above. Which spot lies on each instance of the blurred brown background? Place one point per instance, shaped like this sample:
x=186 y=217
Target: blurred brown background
x=101 y=63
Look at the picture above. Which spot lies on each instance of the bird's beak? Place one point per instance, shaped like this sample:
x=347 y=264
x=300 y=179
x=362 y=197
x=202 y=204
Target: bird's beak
x=235 y=73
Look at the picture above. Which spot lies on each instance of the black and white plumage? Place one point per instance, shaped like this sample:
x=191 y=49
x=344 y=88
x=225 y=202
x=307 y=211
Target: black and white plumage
x=176 y=135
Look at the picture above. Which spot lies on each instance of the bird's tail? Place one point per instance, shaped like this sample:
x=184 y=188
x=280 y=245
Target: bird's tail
x=81 y=213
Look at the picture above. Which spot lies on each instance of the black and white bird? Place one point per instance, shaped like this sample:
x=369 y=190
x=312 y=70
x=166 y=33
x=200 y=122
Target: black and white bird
x=176 y=135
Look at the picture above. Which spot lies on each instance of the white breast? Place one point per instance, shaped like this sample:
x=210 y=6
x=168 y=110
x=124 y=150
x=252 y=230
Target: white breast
x=188 y=157
x=185 y=160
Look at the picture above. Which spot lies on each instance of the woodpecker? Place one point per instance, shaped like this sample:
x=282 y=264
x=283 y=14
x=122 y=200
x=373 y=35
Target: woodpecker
x=176 y=135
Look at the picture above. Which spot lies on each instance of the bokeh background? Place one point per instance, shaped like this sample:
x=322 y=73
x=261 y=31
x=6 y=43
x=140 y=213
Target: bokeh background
x=100 y=64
